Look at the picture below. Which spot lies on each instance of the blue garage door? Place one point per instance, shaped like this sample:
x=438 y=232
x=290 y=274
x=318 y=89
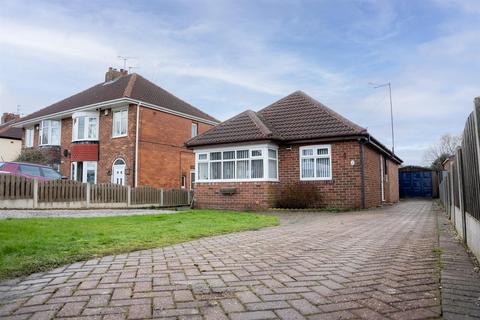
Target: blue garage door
x=416 y=184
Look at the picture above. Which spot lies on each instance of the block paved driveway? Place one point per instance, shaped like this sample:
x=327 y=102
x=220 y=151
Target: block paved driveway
x=376 y=264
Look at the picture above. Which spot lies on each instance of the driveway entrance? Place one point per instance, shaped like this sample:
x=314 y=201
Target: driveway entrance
x=376 y=264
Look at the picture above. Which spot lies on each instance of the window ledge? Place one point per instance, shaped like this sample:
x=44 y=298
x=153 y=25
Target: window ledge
x=121 y=136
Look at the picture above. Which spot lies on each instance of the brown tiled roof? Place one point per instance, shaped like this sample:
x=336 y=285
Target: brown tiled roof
x=245 y=126
x=295 y=117
x=131 y=86
x=9 y=132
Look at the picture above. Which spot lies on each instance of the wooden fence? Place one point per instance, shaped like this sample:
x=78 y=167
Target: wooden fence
x=61 y=191
x=14 y=187
x=460 y=185
x=108 y=193
x=20 y=192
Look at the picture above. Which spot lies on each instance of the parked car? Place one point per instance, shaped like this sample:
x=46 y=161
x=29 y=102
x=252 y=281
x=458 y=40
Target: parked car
x=29 y=170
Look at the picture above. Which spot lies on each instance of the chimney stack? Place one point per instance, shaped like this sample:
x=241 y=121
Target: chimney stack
x=8 y=116
x=113 y=74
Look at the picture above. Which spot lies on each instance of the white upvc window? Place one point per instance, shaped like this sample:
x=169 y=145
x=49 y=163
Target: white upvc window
x=194 y=129
x=29 y=137
x=85 y=126
x=316 y=162
x=244 y=163
x=49 y=132
x=120 y=122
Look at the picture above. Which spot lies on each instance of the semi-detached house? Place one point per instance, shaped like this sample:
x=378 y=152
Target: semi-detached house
x=125 y=130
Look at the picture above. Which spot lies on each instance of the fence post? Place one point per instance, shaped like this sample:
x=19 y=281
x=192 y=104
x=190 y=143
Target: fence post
x=129 y=196
x=88 y=194
x=35 y=193
x=461 y=191
x=161 y=197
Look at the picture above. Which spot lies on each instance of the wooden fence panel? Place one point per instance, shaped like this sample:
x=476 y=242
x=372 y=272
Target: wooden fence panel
x=108 y=193
x=146 y=195
x=15 y=187
x=471 y=166
x=175 y=197
x=61 y=191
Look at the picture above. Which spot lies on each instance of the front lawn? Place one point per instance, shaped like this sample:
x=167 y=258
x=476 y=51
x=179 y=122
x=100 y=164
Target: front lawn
x=39 y=244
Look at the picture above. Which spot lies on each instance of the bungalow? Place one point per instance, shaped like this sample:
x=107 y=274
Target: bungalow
x=294 y=148
x=125 y=130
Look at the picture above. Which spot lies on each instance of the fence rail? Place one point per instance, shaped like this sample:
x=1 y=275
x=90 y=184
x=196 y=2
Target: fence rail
x=460 y=185
x=20 y=192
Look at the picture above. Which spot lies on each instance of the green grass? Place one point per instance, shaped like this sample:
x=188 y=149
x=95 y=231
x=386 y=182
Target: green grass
x=39 y=244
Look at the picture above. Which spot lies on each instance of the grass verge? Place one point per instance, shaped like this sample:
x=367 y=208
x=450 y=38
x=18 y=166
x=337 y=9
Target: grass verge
x=39 y=244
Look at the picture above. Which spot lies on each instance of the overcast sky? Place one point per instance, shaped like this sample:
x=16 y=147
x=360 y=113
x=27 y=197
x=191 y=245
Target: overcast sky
x=226 y=56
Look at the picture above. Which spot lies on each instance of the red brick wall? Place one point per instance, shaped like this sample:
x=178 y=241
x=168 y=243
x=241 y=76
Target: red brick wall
x=66 y=141
x=111 y=148
x=163 y=157
x=343 y=191
x=248 y=195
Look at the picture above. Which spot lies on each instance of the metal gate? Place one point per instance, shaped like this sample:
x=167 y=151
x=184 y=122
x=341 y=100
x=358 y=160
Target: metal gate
x=415 y=184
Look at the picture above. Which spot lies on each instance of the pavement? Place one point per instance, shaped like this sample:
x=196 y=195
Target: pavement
x=373 y=264
x=76 y=213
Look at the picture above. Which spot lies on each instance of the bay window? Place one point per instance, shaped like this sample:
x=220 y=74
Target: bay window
x=120 y=122
x=49 y=132
x=85 y=126
x=29 y=137
x=253 y=163
x=316 y=162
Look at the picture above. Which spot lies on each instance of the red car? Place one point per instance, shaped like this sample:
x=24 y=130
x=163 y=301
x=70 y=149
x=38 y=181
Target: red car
x=29 y=170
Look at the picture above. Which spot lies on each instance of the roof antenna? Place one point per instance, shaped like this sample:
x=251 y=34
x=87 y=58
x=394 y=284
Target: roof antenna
x=125 y=58
x=132 y=67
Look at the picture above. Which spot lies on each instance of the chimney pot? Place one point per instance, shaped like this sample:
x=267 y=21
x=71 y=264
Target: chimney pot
x=8 y=116
x=113 y=74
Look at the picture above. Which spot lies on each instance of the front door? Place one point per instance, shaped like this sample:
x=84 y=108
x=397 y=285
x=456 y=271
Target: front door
x=118 y=172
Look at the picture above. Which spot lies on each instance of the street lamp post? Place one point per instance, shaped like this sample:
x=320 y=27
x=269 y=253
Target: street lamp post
x=389 y=85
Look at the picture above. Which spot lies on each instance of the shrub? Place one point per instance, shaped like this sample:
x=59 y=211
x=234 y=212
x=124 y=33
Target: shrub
x=33 y=156
x=299 y=196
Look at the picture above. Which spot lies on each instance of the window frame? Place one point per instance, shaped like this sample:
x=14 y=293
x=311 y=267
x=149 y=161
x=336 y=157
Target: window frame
x=205 y=152
x=119 y=111
x=88 y=116
x=194 y=125
x=49 y=132
x=29 y=137
x=315 y=156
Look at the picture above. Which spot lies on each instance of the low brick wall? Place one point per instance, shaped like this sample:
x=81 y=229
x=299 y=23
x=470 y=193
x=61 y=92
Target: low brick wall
x=247 y=196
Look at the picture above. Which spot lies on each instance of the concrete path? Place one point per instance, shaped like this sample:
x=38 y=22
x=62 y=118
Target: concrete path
x=376 y=264
x=4 y=214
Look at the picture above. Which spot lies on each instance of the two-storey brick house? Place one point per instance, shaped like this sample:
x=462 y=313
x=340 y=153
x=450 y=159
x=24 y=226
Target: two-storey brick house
x=125 y=130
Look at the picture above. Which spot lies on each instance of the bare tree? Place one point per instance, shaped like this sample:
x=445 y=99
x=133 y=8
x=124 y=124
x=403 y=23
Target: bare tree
x=444 y=148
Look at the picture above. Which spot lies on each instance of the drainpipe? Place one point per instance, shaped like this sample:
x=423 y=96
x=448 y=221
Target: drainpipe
x=362 y=173
x=136 y=144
